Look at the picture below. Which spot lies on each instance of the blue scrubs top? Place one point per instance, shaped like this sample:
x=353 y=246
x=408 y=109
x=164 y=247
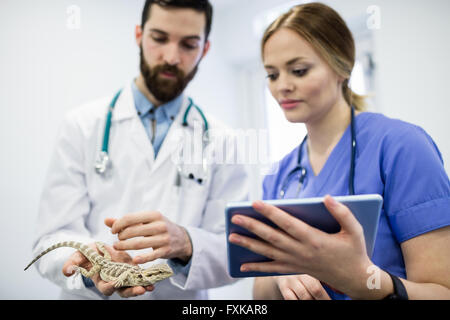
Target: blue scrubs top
x=395 y=159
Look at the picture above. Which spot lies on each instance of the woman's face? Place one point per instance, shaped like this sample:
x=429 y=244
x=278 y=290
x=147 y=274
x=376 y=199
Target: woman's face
x=299 y=79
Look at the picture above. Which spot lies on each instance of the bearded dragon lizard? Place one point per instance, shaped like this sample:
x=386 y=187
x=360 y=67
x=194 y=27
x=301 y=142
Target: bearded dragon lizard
x=124 y=274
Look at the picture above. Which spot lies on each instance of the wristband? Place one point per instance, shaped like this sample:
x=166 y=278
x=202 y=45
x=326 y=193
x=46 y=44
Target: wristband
x=400 y=292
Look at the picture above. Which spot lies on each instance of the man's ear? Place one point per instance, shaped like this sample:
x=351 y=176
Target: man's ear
x=206 y=48
x=138 y=34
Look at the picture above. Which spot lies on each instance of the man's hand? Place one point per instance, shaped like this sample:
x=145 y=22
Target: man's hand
x=151 y=230
x=106 y=288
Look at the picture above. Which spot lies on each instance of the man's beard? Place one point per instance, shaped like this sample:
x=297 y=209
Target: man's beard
x=165 y=90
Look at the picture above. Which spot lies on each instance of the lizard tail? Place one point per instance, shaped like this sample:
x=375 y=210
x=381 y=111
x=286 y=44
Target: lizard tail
x=84 y=249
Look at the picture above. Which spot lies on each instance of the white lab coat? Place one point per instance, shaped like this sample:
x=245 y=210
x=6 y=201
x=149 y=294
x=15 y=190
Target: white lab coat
x=76 y=200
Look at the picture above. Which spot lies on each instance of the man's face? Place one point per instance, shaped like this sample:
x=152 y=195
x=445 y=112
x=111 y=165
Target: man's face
x=172 y=44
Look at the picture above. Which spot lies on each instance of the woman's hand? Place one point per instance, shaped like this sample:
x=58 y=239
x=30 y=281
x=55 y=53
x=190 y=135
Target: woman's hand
x=340 y=259
x=301 y=287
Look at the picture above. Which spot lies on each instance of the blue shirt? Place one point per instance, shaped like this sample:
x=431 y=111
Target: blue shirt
x=395 y=159
x=164 y=116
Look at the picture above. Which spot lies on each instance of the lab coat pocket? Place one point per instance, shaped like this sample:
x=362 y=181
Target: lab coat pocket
x=189 y=201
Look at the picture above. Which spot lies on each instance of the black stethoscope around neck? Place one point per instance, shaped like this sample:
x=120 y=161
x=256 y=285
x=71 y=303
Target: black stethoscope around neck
x=302 y=170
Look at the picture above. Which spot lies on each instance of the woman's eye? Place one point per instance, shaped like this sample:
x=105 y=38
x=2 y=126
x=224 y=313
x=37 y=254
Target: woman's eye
x=272 y=77
x=299 y=72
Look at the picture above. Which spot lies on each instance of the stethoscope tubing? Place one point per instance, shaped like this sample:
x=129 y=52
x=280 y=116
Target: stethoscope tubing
x=299 y=167
x=105 y=144
x=101 y=164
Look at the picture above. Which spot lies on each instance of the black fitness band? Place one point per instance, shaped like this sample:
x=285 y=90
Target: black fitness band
x=400 y=292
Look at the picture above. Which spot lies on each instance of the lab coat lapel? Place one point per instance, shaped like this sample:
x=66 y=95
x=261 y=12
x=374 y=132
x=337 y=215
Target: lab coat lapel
x=125 y=110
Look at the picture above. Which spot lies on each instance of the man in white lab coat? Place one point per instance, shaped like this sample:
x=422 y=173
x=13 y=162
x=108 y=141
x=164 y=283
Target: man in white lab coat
x=145 y=207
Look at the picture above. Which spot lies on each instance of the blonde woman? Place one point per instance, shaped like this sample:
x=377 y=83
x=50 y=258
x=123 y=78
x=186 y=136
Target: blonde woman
x=309 y=54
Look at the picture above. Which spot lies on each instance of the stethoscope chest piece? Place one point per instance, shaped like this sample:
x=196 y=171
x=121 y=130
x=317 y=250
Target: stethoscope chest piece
x=103 y=163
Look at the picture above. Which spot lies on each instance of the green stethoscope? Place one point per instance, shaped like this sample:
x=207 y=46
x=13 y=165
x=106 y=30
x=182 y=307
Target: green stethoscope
x=103 y=163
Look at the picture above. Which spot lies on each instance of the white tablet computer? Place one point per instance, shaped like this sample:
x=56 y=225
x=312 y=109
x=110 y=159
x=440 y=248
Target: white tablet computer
x=366 y=209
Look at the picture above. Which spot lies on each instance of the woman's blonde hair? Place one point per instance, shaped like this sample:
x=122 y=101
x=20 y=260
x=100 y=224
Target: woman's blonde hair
x=328 y=33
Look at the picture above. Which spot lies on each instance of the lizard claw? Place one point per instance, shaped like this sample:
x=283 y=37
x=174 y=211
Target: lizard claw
x=75 y=270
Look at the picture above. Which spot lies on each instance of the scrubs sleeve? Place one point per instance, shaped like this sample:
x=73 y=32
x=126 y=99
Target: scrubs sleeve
x=417 y=188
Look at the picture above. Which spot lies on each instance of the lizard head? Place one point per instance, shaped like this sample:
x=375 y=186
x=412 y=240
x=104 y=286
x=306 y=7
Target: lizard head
x=154 y=274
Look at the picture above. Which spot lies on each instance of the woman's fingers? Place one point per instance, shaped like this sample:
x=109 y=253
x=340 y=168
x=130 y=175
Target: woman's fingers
x=289 y=294
x=301 y=287
x=257 y=246
x=269 y=267
x=343 y=216
x=272 y=236
x=314 y=287
x=293 y=289
x=291 y=225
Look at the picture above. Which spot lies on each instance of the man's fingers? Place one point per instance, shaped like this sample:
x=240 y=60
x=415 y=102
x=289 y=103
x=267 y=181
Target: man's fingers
x=75 y=259
x=106 y=288
x=135 y=218
x=68 y=270
x=143 y=242
x=131 y=292
x=143 y=230
x=109 y=222
x=153 y=255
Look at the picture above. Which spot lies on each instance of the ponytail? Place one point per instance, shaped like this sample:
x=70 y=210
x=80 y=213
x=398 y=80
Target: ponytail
x=353 y=99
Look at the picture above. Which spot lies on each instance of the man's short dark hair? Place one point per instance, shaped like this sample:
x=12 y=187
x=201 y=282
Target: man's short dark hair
x=198 y=5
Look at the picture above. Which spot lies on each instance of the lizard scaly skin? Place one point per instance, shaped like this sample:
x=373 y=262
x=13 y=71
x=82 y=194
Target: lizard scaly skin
x=124 y=274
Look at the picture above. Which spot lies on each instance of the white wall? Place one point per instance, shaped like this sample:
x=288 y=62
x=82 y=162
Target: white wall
x=46 y=69
x=412 y=54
